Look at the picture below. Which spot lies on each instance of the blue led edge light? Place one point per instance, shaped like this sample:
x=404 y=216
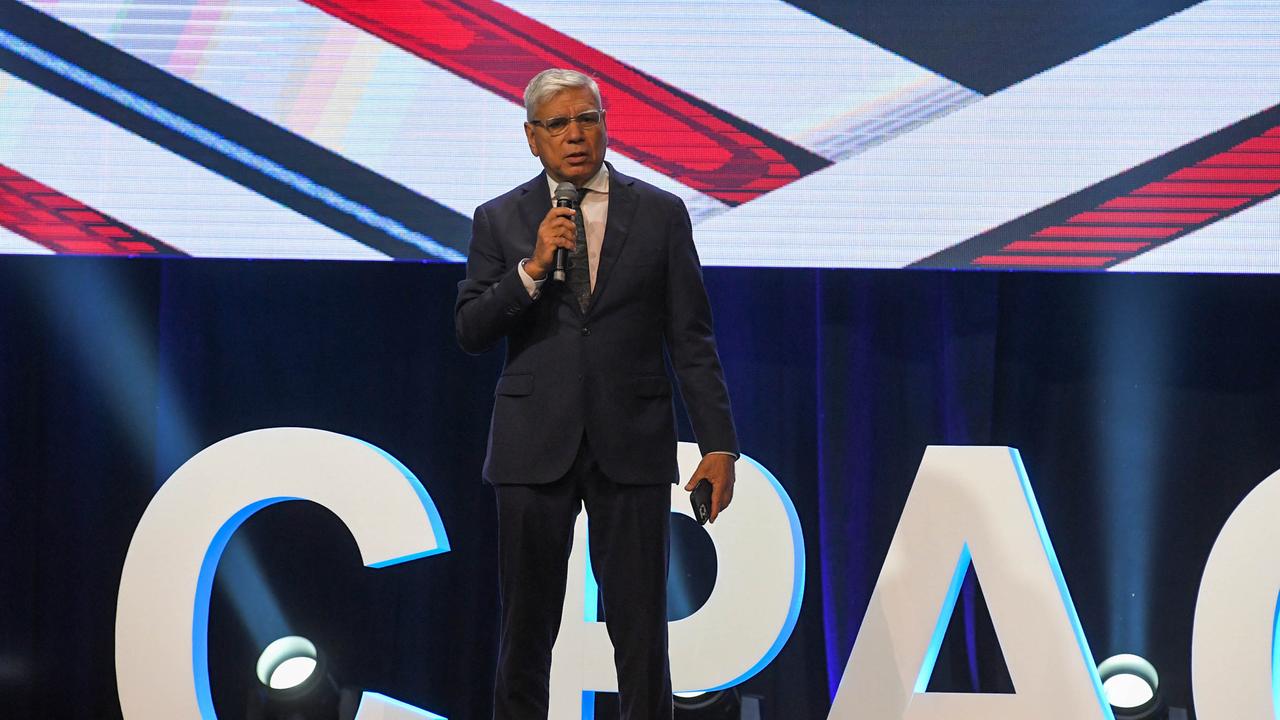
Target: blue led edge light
x=429 y=505
x=590 y=613
x=227 y=148
x=590 y=589
x=1275 y=662
x=204 y=590
x=1085 y=653
x=944 y=620
x=793 y=612
x=797 y=581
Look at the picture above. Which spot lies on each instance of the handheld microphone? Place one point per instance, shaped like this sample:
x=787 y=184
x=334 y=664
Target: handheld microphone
x=566 y=196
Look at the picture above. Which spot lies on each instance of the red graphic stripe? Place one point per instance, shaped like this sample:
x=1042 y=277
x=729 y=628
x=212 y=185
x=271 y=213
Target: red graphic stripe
x=1046 y=261
x=1093 y=231
x=1130 y=202
x=1260 y=144
x=500 y=49
x=65 y=225
x=1075 y=246
x=1163 y=218
x=1154 y=213
x=1227 y=173
x=1242 y=158
x=1190 y=188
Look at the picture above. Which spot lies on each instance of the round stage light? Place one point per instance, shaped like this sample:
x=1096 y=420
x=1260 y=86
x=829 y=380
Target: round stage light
x=291 y=673
x=297 y=684
x=287 y=662
x=1132 y=687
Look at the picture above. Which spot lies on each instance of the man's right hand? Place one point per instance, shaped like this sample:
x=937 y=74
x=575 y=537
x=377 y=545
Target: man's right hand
x=556 y=231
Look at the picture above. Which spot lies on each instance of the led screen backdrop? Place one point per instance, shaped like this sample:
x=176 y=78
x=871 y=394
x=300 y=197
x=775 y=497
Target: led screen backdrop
x=1086 y=134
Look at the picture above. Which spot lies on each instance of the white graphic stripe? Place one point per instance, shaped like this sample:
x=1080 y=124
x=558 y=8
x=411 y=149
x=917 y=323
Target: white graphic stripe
x=1019 y=150
x=766 y=62
x=177 y=202
x=344 y=89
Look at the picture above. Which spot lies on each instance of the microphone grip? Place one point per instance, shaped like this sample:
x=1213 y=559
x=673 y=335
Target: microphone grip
x=561 y=264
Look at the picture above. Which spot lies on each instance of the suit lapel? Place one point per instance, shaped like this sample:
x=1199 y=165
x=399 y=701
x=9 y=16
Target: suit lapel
x=534 y=205
x=622 y=208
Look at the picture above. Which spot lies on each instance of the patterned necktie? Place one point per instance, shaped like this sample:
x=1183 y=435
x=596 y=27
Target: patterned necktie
x=578 y=275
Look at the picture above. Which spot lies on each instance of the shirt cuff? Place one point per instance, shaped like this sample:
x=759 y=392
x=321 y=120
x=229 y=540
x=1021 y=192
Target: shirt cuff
x=724 y=452
x=534 y=287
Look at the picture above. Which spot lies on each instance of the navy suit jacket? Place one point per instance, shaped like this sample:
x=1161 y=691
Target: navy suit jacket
x=602 y=372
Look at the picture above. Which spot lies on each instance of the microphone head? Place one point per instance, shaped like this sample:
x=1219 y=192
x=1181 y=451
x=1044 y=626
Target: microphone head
x=566 y=195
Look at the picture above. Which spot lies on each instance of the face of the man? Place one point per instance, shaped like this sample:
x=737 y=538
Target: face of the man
x=576 y=154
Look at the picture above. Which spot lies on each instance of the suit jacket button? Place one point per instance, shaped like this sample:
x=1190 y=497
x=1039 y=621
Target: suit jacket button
x=586 y=331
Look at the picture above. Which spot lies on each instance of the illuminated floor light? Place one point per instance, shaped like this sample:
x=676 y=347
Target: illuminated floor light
x=1128 y=691
x=291 y=673
x=296 y=685
x=287 y=662
x=1132 y=688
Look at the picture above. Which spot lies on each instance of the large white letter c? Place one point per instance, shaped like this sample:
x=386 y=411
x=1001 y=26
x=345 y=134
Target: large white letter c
x=163 y=609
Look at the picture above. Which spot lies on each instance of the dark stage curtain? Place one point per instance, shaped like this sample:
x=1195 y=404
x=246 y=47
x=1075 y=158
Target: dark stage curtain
x=1145 y=407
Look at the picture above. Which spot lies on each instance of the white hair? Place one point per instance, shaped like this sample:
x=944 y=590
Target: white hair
x=549 y=82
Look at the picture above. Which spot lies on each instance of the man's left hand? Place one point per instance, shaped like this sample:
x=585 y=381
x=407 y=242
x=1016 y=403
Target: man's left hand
x=717 y=468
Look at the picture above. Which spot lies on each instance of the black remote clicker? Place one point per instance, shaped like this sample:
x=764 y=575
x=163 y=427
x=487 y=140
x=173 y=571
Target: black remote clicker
x=700 y=498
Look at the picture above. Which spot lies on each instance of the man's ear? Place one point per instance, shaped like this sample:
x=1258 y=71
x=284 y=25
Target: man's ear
x=528 y=136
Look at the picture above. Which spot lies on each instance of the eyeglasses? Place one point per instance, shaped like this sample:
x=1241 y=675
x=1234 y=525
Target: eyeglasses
x=557 y=125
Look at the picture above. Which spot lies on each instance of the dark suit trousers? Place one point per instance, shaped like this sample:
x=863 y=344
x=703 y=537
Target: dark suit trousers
x=629 y=540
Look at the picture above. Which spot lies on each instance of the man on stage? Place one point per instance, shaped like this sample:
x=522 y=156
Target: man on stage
x=583 y=414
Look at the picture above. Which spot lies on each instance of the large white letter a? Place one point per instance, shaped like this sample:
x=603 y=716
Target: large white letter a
x=970 y=503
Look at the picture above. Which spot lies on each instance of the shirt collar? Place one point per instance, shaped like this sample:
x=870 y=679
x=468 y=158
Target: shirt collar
x=599 y=183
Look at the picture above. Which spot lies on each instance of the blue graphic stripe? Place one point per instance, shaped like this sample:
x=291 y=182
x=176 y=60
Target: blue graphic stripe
x=227 y=148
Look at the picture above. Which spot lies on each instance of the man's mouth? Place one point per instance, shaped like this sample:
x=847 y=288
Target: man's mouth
x=576 y=157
